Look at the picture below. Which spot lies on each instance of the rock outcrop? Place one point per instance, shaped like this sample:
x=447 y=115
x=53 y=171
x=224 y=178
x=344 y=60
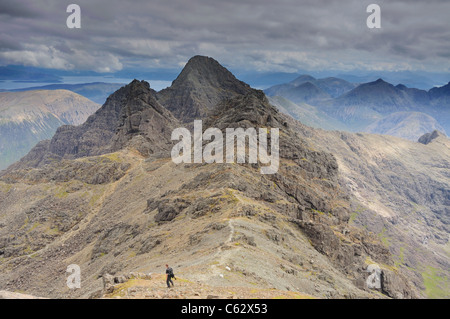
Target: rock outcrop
x=200 y=86
x=429 y=137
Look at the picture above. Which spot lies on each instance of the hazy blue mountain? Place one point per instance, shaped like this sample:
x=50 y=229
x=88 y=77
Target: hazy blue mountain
x=377 y=107
x=382 y=98
x=418 y=79
x=261 y=79
x=335 y=86
x=27 y=118
x=308 y=89
x=96 y=92
x=407 y=125
x=301 y=90
x=379 y=95
x=440 y=96
x=302 y=79
x=307 y=114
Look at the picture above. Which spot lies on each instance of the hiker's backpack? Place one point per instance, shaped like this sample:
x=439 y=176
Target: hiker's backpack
x=170 y=270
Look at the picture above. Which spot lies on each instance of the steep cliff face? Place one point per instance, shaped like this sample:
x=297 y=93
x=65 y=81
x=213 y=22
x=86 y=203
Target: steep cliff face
x=107 y=196
x=400 y=191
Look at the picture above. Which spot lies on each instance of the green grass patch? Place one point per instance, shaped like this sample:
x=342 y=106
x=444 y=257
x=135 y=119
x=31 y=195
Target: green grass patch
x=402 y=255
x=95 y=198
x=5 y=188
x=53 y=231
x=353 y=217
x=436 y=283
x=384 y=239
x=113 y=157
x=61 y=193
x=35 y=225
x=25 y=223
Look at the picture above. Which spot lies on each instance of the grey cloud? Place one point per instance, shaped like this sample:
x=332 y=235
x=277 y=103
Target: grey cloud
x=13 y=8
x=264 y=34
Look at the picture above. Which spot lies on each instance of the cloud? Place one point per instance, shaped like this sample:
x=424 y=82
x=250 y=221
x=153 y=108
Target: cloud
x=52 y=58
x=283 y=35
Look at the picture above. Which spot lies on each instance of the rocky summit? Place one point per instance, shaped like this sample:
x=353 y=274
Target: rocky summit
x=200 y=86
x=107 y=196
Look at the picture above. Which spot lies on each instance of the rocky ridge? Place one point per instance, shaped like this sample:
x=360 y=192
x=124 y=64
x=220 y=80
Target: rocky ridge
x=130 y=116
x=98 y=196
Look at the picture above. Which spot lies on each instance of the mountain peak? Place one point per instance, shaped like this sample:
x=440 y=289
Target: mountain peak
x=137 y=83
x=133 y=88
x=202 y=61
x=202 y=84
x=302 y=79
x=203 y=70
x=441 y=94
x=380 y=81
x=374 y=85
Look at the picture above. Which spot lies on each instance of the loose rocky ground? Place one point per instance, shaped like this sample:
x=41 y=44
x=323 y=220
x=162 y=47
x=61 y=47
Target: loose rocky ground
x=154 y=287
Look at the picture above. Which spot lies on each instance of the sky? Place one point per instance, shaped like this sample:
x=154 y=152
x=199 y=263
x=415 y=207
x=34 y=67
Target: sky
x=259 y=35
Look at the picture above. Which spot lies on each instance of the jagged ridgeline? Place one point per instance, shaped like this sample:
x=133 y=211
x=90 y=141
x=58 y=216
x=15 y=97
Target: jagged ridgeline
x=106 y=195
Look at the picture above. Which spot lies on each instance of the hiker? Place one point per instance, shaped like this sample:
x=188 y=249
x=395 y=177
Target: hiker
x=169 y=276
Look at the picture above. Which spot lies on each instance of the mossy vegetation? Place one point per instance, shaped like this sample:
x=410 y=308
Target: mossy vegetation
x=25 y=223
x=96 y=196
x=229 y=196
x=61 y=192
x=353 y=217
x=53 y=231
x=384 y=238
x=121 y=289
x=5 y=188
x=33 y=227
x=437 y=285
x=402 y=255
x=112 y=157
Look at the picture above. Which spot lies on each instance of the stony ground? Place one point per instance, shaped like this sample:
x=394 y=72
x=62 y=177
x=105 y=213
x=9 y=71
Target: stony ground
x=156 y=288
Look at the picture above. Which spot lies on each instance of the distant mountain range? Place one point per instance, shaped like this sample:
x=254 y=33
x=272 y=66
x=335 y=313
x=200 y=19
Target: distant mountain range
x=306 y=88
x=28 y=117
x=368 y=107
x=260 y=79
x=96 y=91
